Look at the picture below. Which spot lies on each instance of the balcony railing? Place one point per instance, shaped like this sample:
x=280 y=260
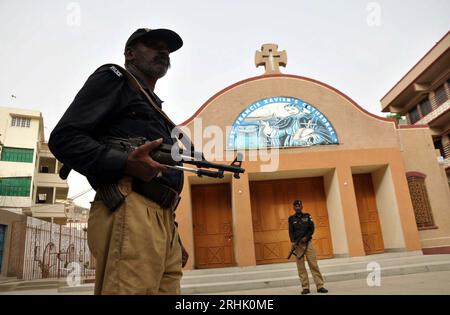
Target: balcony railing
x=434 y=114
x=446 y=149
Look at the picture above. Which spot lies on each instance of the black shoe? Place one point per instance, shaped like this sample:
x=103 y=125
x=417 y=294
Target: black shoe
x=306 y=291
x=322 y=290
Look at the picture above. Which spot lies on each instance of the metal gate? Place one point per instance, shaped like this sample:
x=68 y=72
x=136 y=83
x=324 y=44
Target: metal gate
x=53 y=251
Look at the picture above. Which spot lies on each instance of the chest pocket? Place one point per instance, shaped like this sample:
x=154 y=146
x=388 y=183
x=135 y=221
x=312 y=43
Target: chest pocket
x=138 y=110
x=301 y=222
x=138 y=115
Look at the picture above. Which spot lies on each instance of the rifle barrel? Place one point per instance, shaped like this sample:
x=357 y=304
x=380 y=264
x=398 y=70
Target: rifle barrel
x=199 y=172
x=225 y=167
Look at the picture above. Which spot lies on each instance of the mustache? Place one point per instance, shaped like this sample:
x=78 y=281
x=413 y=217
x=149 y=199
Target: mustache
x=162 y=58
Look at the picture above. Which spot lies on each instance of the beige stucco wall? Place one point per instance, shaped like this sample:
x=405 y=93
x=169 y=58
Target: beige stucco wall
x=419 y=156
x=388 y=210
x=336 y=214
x=242 y=222
x=355 y=128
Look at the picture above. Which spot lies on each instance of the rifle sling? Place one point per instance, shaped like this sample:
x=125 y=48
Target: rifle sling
x=139 y=88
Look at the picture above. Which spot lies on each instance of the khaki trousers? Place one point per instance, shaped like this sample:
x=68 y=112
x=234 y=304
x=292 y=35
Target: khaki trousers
x=310 y=256
x=136 y=247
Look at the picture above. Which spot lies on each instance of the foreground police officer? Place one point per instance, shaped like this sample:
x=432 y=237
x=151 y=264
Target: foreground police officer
x=301 y=230
x=136 y=246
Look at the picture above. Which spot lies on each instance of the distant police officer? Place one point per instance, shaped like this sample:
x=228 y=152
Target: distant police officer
x=136 y=244
x=301 y=229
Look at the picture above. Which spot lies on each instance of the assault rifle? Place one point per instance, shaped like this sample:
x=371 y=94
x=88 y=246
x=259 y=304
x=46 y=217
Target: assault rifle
x=172 y=155
x=294 y=246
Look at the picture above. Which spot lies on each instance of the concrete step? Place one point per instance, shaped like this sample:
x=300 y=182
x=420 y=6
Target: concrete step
x=322 y=263
x=207 y=281
x=289 y=269
x=284 y=281
x=38 y=284
x=7 y=279
x=87 y=288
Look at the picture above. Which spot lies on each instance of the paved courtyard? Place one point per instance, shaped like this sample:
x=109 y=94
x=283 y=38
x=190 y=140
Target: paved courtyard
x=420 y=283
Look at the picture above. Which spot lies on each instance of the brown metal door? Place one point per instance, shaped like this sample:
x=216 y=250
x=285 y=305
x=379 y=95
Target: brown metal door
x=213 y=233
x=272 y=205
x=368 y=214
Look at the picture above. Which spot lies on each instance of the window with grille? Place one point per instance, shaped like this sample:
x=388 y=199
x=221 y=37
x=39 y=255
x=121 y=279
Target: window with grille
x=15 y=186
x=425 y=107
x=414 y=115
x=20 y=122
x=17 y=155
x=446 y=147
x=420 y=201
x=440 y=95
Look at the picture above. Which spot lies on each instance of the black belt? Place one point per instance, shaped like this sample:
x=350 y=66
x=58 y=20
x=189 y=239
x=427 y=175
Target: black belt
x=163 y=195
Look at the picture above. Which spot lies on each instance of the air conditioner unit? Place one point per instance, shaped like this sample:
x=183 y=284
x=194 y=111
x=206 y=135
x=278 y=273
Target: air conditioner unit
x=44 y=169
x=42 y=198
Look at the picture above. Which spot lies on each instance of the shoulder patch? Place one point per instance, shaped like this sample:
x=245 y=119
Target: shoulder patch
x=116 y=71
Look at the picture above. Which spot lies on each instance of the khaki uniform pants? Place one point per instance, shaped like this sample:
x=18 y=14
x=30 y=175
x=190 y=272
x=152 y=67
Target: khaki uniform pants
x=136 y=247
x=310 y=256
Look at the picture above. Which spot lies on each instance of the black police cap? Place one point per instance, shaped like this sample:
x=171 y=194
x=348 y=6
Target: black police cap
x=172 y=39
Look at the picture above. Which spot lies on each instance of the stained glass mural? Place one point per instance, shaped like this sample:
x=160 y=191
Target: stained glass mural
x=281 y=122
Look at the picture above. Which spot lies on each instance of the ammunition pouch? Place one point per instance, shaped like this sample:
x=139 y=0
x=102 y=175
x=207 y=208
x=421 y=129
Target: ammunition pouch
x=111 y=196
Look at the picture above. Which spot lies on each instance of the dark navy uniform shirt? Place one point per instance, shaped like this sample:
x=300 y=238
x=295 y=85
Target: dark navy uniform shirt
x=107 y=105
x=300 y=226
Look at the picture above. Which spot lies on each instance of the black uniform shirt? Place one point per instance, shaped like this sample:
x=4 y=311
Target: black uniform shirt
x=300 y=226
x=107 y=106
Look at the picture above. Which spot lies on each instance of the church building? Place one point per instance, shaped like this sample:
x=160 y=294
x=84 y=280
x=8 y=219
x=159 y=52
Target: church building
x=301 y=139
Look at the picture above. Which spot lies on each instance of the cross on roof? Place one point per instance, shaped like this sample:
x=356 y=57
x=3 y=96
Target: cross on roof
x=271 y=58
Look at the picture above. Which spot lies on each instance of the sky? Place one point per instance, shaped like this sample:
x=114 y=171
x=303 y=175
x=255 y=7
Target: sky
x=362 y=48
